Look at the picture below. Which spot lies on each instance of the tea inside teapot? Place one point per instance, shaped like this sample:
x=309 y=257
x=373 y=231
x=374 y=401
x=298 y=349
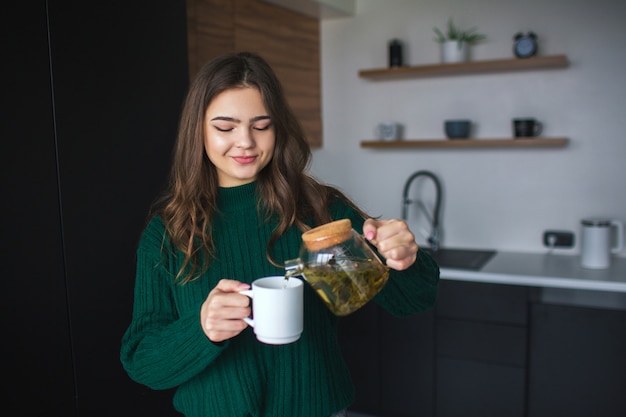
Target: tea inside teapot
x=340 y=265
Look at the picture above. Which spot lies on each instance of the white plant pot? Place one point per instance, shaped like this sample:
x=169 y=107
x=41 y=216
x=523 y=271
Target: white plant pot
x=452 y=52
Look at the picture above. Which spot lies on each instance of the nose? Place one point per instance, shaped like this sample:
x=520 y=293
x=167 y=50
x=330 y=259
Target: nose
x=245 y=139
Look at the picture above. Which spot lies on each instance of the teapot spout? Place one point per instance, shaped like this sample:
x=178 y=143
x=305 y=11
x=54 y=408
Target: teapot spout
x=293 y=268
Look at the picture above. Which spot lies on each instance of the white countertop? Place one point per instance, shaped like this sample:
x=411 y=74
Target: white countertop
x=544 y=270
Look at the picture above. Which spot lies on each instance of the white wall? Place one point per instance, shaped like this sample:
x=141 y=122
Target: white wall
x=493 y=198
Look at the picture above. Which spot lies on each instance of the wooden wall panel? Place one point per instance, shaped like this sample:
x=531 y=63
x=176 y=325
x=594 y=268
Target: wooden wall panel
x=210 y=31
x=287 y=40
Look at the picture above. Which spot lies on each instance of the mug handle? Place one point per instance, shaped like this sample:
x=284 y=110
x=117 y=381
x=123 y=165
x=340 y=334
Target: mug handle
x=619 y=236
x=538 y=128
x=250 y=294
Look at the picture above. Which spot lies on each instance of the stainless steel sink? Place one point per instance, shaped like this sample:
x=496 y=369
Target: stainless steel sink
x=461 y=258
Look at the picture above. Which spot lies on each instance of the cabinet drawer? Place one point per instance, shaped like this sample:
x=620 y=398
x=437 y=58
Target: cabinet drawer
x=484 y=342
x=471 y=389
x=495 y=303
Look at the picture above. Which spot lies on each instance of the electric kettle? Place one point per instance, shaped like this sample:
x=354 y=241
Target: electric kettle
x=600 y=239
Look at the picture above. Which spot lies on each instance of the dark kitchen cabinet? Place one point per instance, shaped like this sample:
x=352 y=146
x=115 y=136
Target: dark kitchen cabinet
x=407 y=365
x=466 y=357
x=92 y=94
x=493 y=350
x=391 y=361
x=359 y=337
x=480 y=349
x=578 y=361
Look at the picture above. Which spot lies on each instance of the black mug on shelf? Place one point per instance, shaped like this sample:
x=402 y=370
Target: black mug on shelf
x=528 y=127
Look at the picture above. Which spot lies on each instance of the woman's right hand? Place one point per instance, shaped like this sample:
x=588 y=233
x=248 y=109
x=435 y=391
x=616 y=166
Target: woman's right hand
x=224 y=309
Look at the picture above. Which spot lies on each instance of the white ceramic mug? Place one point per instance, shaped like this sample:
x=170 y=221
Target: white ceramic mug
x=388 y=131
x=277 y=309
x=598 y=243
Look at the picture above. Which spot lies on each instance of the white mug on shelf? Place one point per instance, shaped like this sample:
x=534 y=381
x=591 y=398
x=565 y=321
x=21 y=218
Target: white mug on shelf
x=388 y=131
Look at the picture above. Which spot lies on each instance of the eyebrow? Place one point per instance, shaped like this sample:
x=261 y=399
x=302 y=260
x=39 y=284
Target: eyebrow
x=232 y=119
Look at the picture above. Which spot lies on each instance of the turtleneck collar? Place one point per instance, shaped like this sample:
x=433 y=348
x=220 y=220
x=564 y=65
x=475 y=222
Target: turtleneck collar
x=233 y=198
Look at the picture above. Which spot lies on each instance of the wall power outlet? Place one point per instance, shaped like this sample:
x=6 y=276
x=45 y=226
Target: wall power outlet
x=558 y=239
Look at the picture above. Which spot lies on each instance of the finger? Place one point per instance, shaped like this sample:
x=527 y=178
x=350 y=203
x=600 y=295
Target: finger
x=221 y=330
x=219 y=299
x=223 y=318
x=393 y=234
x=387 y=228
x=402 y=264
x=216 y=314
x=231 y=285
x=400 y=250
x=370 y=228
x=377 y=230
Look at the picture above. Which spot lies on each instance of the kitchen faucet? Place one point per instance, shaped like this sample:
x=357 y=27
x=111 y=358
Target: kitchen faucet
x=434 y=238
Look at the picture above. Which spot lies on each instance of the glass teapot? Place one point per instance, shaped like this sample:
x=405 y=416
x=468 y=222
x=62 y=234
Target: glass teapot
x=340 y=265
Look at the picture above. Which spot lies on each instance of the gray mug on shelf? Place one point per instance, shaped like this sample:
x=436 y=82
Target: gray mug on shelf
x=457 y=129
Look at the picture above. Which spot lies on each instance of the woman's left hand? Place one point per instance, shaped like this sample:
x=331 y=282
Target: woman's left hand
x=394 y=241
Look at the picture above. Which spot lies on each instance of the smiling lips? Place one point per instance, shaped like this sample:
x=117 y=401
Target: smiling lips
x=244 y=159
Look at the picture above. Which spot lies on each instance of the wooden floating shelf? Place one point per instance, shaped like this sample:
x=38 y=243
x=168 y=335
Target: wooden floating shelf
x=471 y=67
x=467 y=143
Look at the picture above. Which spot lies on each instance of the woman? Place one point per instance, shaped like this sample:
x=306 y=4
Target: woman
x=238 y=201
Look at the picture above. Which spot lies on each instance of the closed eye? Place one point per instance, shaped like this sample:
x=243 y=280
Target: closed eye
x=223 y=129
x=259 y=123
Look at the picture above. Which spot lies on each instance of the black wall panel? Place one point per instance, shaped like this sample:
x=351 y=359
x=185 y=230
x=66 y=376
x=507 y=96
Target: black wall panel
x=36 y=351
x=94 y=92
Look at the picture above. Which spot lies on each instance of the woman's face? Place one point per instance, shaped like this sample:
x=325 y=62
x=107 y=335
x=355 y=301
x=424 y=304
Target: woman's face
x=238 y=135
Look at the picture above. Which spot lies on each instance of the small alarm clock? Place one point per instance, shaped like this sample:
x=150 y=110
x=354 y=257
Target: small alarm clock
x=525 y=45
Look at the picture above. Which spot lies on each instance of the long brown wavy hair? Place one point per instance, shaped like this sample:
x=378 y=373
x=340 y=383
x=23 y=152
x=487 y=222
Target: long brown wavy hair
x=285 y=189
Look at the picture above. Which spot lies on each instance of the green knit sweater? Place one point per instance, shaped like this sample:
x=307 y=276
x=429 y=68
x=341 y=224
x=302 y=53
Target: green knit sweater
x=165 y=347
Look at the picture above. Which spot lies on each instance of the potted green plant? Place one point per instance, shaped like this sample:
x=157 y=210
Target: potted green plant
x=455 y=42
